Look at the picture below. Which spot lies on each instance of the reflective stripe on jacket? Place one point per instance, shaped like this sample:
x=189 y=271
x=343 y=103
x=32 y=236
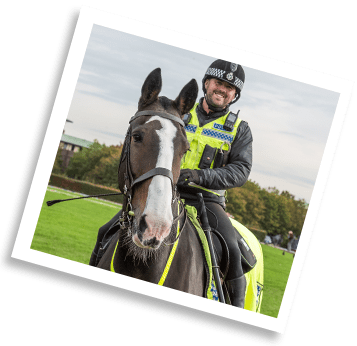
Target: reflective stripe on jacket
x=209 y=144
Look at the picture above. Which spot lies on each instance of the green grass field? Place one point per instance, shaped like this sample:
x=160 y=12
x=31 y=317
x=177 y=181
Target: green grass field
x=69 y=230
x=276 y=273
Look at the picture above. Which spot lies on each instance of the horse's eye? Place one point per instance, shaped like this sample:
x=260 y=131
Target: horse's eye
x=137 y=137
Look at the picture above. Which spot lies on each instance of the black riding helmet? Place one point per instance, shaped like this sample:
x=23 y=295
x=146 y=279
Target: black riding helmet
x=227 y=72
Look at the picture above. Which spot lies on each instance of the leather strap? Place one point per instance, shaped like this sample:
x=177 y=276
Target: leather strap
x=156 y=171
x=160 y=114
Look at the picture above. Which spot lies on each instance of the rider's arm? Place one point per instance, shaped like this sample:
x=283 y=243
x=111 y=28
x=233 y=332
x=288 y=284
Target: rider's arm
x=237 y=170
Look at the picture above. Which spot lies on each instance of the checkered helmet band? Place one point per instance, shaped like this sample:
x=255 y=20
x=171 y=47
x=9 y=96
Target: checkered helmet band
x=225 y=76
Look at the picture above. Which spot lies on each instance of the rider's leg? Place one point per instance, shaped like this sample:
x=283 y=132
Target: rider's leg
x=235 y=280
x=102 y=231
x=219 y=221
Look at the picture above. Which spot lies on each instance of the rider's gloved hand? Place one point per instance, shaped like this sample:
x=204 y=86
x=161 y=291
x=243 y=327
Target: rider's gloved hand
x=189 y=176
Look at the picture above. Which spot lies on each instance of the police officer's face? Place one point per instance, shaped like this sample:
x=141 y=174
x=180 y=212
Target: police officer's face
x=219 y=93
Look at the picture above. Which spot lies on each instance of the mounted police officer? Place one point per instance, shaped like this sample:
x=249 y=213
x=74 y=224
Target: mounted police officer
x=220 y=158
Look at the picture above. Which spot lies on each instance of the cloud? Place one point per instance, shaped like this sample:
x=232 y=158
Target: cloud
x=96 y=118
x=290 y=120
x=289 y=140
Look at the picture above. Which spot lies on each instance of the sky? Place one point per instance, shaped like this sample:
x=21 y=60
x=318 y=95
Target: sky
x=290 y=120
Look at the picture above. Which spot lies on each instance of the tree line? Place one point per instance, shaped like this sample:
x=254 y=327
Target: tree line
x=256 y=207
x=267 y=209
x=97 y=164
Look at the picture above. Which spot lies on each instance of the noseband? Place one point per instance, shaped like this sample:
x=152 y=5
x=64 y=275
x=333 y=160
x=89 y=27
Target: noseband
x=125 y=220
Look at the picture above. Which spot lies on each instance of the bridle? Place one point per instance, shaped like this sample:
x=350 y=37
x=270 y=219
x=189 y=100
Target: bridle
x=126 y=219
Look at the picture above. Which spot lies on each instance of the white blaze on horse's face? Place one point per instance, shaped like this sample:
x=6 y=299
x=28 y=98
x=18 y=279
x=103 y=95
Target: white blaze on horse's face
x=158 y=204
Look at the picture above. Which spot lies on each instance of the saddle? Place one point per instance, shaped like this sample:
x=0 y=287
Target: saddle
x=248 y=259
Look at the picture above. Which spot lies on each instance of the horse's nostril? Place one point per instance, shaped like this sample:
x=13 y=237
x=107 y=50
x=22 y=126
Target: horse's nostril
x=153 y=242
x=142 y=225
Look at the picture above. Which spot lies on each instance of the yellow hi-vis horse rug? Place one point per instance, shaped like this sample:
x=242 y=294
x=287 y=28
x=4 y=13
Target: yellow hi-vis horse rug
x=254 y=277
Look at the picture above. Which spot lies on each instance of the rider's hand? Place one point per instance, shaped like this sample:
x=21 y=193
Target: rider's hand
x=188 y=176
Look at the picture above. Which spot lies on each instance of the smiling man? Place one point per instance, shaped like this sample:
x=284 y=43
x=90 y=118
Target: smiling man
x=220 y=158
x=218 y=93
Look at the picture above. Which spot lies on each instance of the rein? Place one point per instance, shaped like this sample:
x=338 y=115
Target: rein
x=176 y=219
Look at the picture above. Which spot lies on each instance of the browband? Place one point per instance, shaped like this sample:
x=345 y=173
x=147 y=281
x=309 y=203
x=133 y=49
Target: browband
x=160 y=114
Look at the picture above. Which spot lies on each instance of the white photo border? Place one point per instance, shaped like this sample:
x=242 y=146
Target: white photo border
x=88 y=17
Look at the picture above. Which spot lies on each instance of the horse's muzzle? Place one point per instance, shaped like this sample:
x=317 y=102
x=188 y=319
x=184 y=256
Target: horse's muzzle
x=152 y=243
x=151 y=233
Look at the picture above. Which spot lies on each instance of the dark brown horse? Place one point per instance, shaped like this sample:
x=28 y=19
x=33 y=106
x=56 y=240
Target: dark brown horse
x=154 y=222
x=154 y=227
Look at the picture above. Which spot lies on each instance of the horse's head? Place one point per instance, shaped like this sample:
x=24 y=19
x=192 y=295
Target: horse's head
x=153 y=142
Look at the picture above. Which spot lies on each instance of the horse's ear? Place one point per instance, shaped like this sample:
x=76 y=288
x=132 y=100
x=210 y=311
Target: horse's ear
x=151 y=88
x=187 y=97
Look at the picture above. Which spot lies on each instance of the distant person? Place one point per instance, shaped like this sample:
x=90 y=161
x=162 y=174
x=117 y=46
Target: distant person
x=295 y=243
x=291 y=239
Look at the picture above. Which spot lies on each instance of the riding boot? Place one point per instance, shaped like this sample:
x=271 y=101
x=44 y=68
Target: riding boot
x=236 y=289
x=93 y=259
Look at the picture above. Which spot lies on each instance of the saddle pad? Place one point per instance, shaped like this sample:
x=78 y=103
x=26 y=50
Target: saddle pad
x=211 y=291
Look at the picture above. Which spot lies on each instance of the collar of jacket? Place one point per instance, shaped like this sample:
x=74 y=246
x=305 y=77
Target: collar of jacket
x=211 y=115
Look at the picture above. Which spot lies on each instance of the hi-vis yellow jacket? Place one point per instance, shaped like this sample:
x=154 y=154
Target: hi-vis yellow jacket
x=211 y=134
x=209 y=144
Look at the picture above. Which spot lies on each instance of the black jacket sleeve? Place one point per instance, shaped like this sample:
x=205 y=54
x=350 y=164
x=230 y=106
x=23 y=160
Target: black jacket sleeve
x=237 y=170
